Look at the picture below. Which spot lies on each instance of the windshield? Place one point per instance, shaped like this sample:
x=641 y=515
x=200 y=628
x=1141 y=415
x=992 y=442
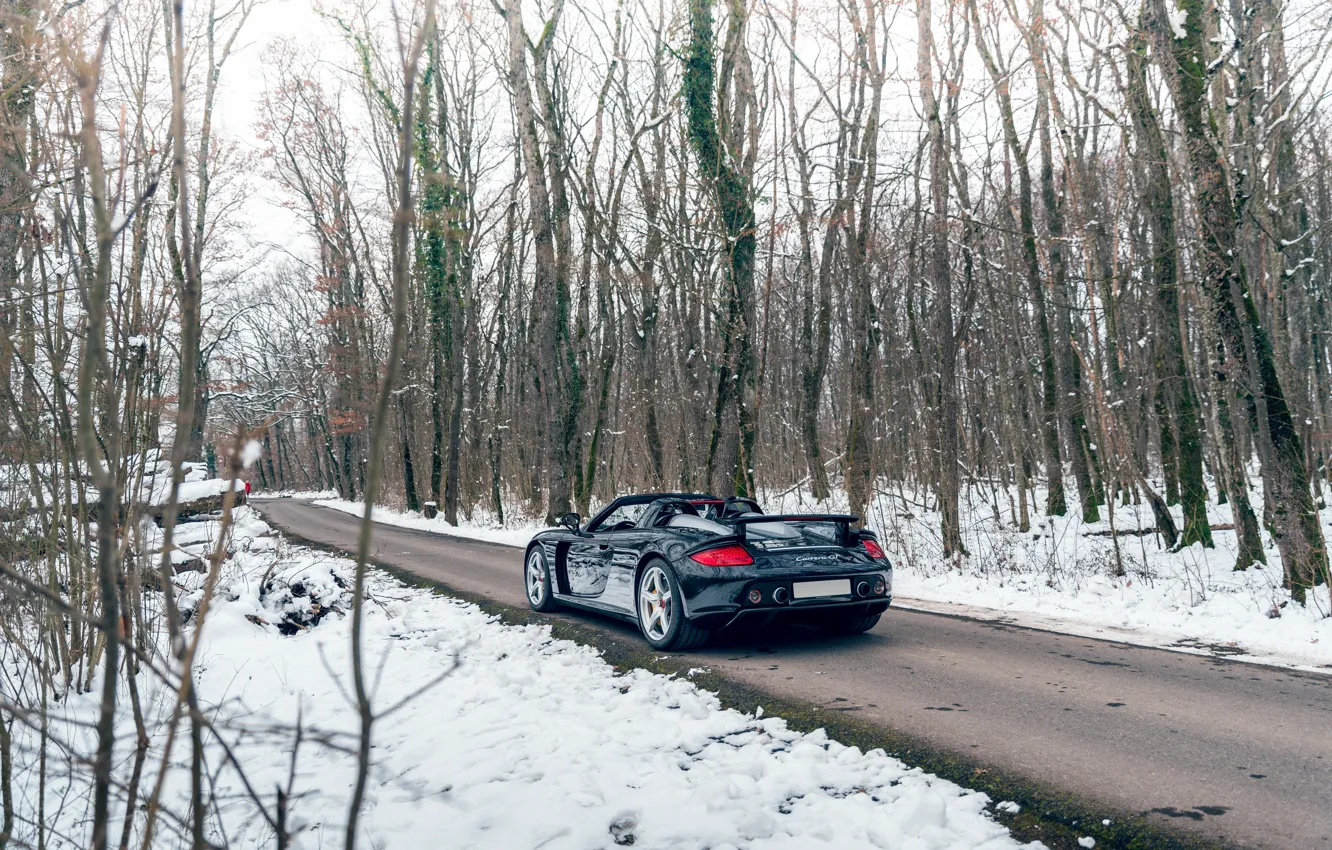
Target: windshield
x=625 y=516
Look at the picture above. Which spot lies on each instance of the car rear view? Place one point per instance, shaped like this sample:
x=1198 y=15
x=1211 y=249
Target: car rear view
x=815 y=568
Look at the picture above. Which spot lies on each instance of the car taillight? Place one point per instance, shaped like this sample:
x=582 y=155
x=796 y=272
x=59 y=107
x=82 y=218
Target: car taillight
x=723 y=556
x=873 y=549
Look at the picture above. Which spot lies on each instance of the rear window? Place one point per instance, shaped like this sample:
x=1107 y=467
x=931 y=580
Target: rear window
x=825 y=533
x=784 y=535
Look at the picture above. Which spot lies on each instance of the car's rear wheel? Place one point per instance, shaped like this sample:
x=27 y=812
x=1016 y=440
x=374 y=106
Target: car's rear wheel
x=660 y=609
x=536 y=576
x=844 y=624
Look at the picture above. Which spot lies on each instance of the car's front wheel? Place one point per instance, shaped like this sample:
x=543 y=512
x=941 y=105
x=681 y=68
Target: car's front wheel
x=536 y=576
x=661 y=610
x=849 y=625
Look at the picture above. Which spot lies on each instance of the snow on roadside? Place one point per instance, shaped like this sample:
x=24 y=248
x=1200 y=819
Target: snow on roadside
x=537 y=742
x=1060 y=576
x=154 y=488
x=481 y=527
x=1228 y=622
x=502 y=736
x=295 y=494
x=150 y=476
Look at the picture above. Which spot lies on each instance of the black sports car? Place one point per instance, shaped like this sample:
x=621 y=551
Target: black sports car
x=682 y=565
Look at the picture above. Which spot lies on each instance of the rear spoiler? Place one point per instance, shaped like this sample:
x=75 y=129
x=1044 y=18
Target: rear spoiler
x=845 y=521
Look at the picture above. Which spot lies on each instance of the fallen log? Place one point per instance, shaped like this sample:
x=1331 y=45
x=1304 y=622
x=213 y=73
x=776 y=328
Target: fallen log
x=194 y=507
x=1143 y=532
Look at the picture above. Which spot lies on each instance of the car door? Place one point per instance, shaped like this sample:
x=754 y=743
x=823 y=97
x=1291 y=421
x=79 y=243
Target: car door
x=606 y=565
x=623 y=549
x=592 y=558
x=586 y=565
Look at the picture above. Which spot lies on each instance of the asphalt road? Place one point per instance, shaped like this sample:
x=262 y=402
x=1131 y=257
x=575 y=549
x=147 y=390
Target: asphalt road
x=1219 y=748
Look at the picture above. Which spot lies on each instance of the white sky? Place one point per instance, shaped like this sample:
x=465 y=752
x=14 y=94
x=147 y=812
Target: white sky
x=273 y=227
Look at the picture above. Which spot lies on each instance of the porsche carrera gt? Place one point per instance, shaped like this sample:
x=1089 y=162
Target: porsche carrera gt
x=685 y=565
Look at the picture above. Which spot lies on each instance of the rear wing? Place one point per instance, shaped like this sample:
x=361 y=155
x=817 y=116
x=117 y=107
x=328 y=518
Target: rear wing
x=843 y=521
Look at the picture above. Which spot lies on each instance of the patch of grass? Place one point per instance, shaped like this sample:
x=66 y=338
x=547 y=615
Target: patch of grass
x=1054 y=817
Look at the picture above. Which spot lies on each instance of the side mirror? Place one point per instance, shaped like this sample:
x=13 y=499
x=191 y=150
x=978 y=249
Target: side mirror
x=571 y=521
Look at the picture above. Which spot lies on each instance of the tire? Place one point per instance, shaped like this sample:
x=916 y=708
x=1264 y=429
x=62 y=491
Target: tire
x=847 y=625
x=660 y=608
x=536 y=580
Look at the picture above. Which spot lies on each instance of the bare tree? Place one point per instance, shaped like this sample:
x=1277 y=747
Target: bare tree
x=1246 y=344
x=722 y=128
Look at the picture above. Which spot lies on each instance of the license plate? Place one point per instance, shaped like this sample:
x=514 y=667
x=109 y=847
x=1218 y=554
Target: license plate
x=813 y=589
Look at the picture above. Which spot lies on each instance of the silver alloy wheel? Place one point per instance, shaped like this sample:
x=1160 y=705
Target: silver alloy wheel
x=654 y=603
x=536 y=578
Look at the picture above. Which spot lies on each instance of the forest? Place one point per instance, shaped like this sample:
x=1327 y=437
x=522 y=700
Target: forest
x=1028 y=258
x=696 y=247
x=822 y=247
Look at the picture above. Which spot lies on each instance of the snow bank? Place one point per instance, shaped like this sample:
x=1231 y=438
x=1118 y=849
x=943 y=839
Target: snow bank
x=295 y=494
x=481 y=527
x=498 y=736
x=533 y=742
x=1061 y=575
x=149 y=481
x=154 y=487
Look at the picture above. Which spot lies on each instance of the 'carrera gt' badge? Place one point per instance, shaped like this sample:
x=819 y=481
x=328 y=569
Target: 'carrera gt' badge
x=806 y=558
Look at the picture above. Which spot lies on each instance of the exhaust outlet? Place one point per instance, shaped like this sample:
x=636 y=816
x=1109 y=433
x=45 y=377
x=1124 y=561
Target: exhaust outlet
x=781 y=596
x=863 y=589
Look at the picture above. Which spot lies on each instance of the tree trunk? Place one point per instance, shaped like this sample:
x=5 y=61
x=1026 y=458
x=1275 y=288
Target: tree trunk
x=816 y=323
x=1294 y=517
x=941 y=276
x=1069 y=367
x=1177 y=409
x=1055 y=503
x=17 y=43
x=726 y=166
x=408 y=470
x=556 y=374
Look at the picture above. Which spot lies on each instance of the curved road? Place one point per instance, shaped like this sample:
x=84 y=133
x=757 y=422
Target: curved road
x=1222 y=749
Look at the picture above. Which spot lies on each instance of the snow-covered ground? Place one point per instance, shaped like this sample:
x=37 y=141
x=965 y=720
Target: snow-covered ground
x=149 y=481
x=495 y=736
x=153 y=487
x=297 y=494
x=482 y=526
x=1060 y=575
